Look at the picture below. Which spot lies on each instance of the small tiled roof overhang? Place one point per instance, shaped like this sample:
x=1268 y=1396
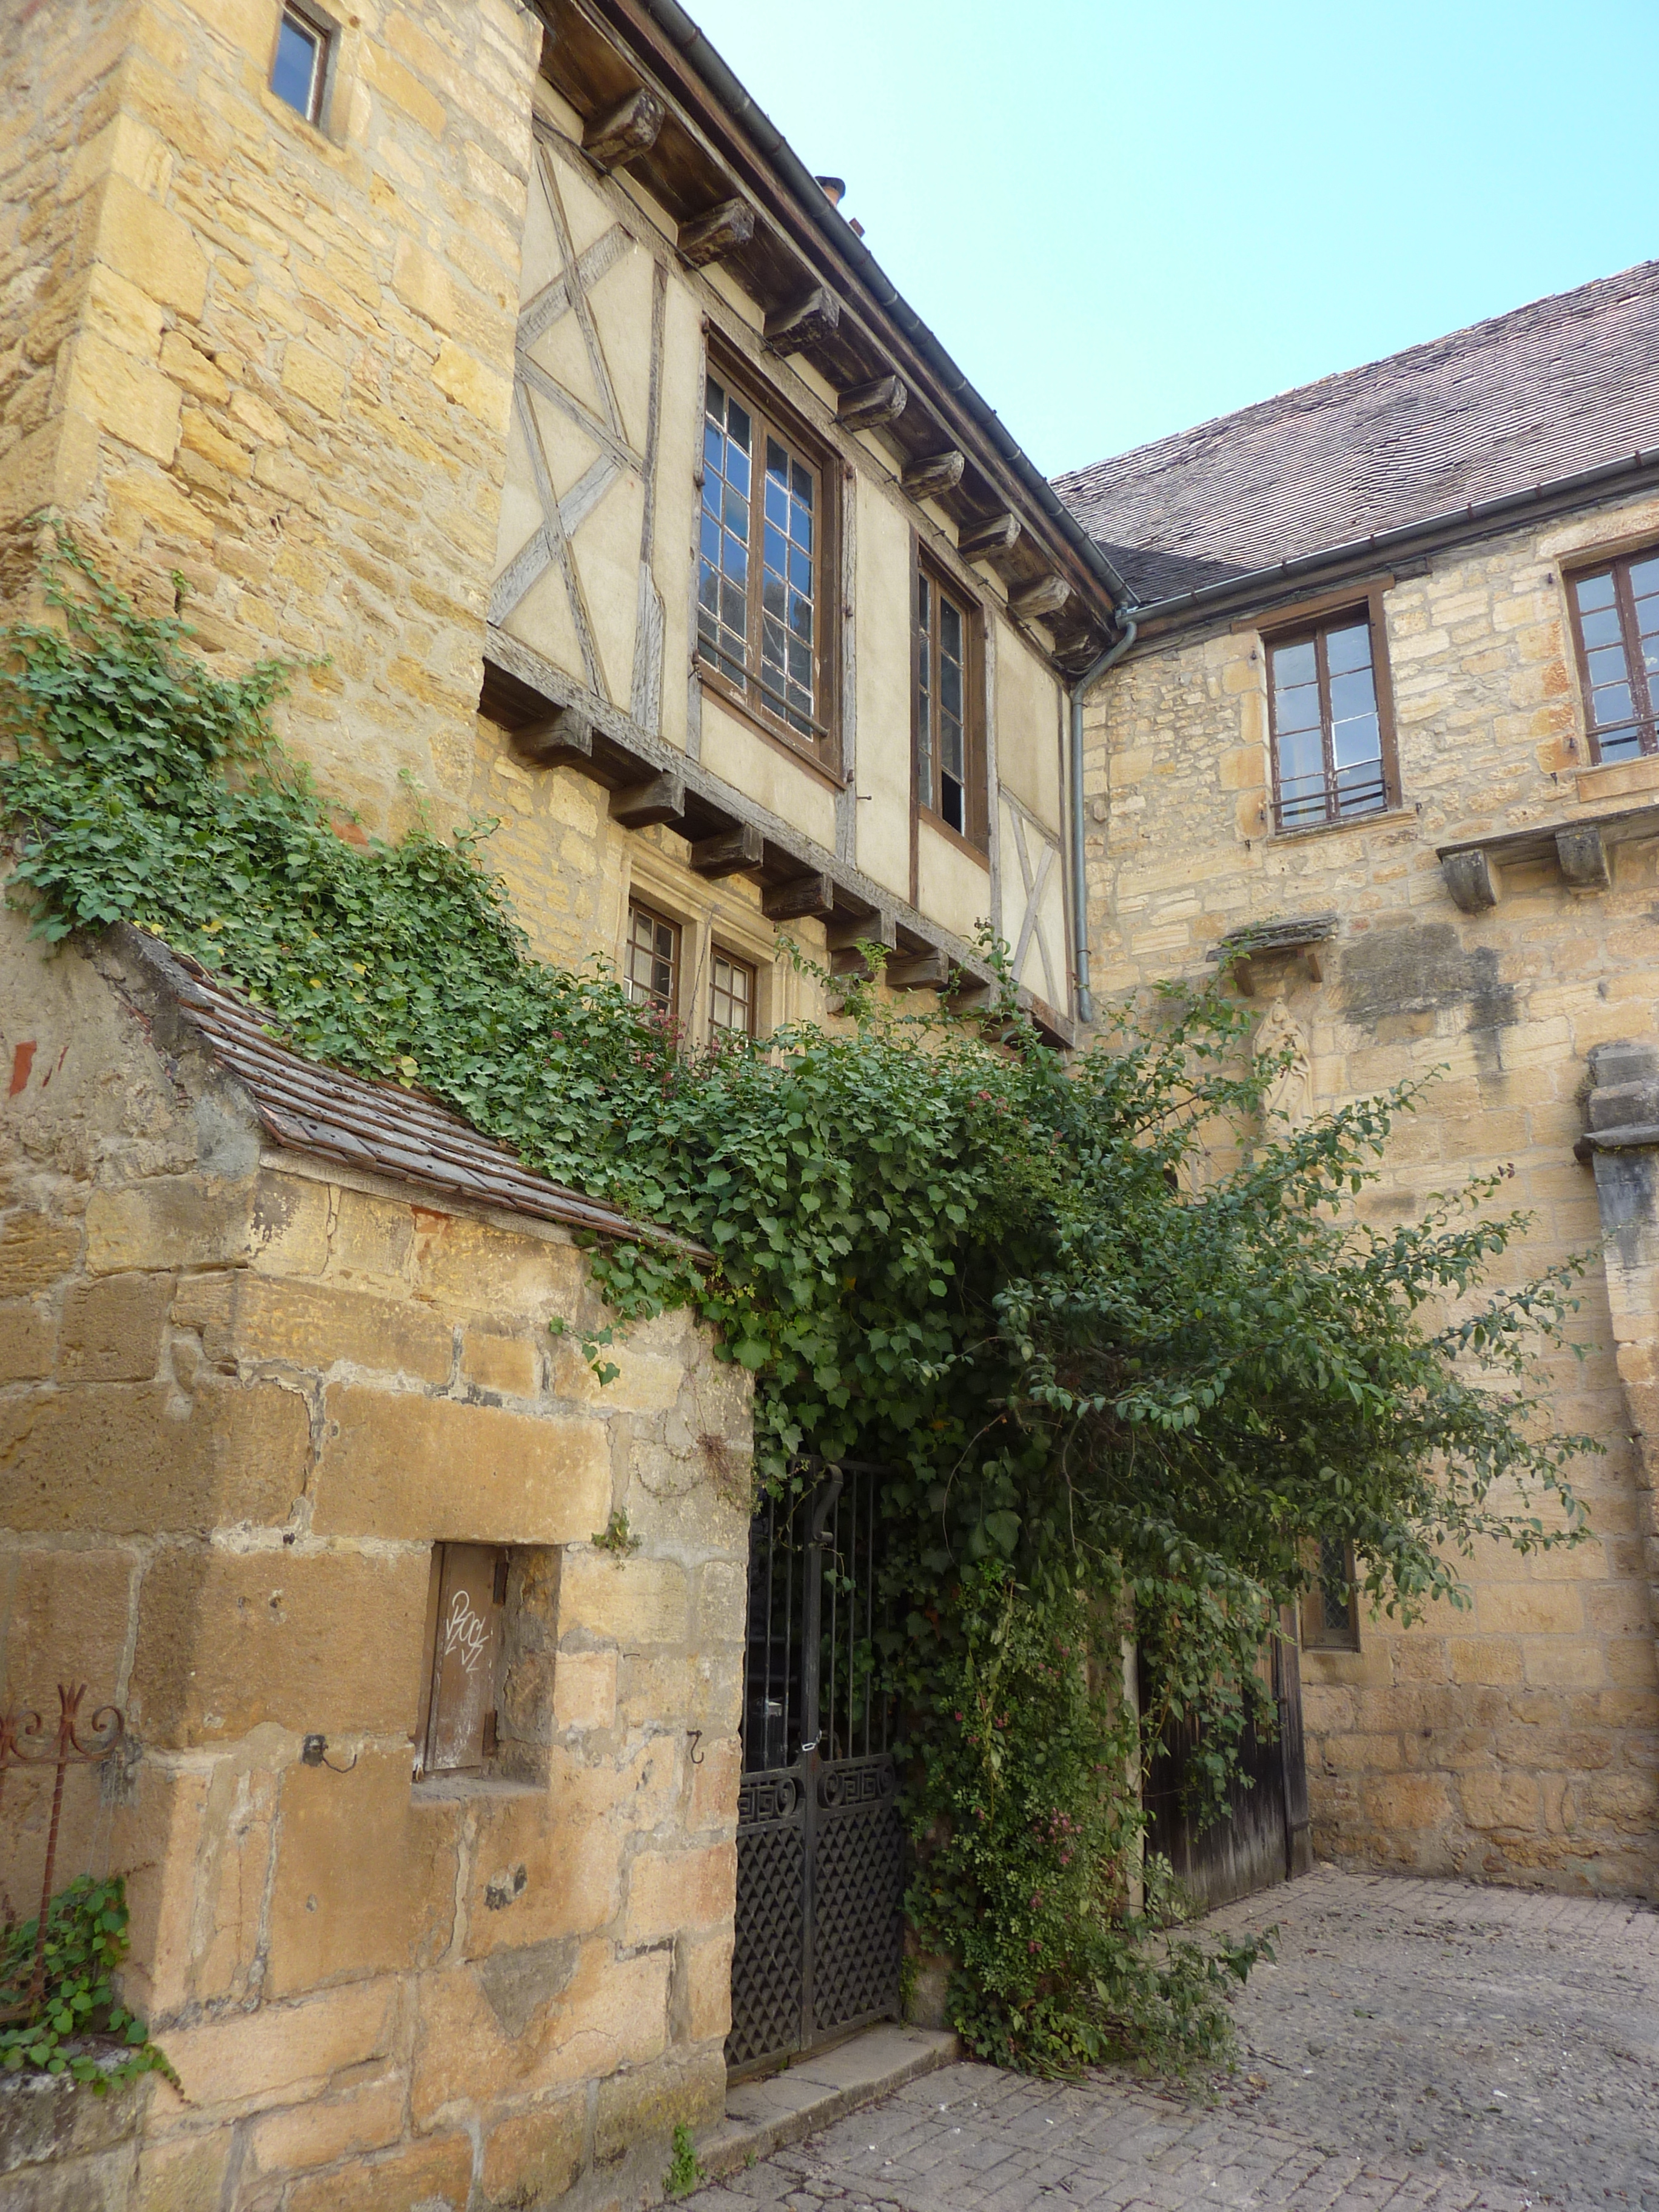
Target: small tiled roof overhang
x=378 y=1128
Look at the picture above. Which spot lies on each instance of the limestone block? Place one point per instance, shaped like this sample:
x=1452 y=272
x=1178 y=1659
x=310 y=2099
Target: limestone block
x=153 y=247
x=466 y=1266
x=585 y=1690
x=463 y=378
x=672 y=1890
x=327 y=1642
x=186 y=364
x=510 y=1364
x=113 y=1328
x=535 y=2021
x=1529 y=1609
x=534 y=2156
x=281 y=2053
x=435 y=2175
x=1500 y=1801
x=183 y=2173
x=703 y=1987
x=138 y=1458
x=123 y=315
x=290 y=1225
x=400 y=1465
x=28 y=1340
x=35 y=1253
x=636 y=2111
x=712 y=1785
x=541 y=1868
x=627 y=1601
x=364 y=2118
x=361 y=1886
x=64 y=1611
x=311 y=376
x=168 y=1221
x=318 y=1325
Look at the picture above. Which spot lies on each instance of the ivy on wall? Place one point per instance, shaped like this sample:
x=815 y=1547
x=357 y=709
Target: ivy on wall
x=1112 y=1391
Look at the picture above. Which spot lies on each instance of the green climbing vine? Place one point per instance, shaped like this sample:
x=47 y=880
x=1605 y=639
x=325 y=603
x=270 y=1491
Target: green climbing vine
x=78 y=2027
x=1116 y=1388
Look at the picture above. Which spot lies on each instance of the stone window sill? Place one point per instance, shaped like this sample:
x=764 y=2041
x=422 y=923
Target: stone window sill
x=1392 y=819
x=446 y=1789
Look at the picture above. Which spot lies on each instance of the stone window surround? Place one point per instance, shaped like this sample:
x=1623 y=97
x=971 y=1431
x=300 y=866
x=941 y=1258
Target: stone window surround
x=1279 y=626
x=701 y=930
x=331 y=32
x=1568 y=567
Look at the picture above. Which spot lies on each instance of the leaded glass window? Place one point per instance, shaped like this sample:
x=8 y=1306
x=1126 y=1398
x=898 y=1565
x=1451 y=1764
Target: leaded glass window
x=1328 y=728
x=759 y=556
x=732 y=995
x=651 y=970
x=1616 y=617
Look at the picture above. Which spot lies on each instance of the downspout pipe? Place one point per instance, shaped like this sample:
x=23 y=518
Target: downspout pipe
x=1085 y=683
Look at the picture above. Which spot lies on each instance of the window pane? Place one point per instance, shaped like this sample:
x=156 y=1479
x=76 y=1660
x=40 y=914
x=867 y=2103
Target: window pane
x=1601 y=627
x=731 y=997
x=1348 y=648
x=1352 y=694
x=723 y=543
x=924 y=692
x=651 y=972
x=1294 y=664
x=787 y=598
x=293 y=73
x=1594 y=591
x=1645 y=575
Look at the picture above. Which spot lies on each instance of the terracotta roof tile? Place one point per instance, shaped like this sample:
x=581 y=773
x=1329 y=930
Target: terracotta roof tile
x=305 y=1107
x=1564 y=383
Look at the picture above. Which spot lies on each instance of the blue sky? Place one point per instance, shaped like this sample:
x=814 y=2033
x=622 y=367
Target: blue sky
x=1124 y=220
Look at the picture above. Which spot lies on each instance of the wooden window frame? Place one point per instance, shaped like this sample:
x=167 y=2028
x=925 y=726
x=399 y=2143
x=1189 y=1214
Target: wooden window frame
x=1296 y=625
x=655 y=914
x=1617 y=566
x=427 y=1733
x=751 y=968
x=326 y=32
x=1319 y=1632
x=823 y=750
x=977 y=839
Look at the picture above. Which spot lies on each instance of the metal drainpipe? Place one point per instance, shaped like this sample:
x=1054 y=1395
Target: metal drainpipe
x=1090 y=676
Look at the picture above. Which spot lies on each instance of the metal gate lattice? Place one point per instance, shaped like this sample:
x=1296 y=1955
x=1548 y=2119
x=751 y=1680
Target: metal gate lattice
x=820 y=1849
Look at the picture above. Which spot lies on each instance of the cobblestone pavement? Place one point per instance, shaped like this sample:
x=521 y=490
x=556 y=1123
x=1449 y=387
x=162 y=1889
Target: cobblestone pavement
x=1419 y=2044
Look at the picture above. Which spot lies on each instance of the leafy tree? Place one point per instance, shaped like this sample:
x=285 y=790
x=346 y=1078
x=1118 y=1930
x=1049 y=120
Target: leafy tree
x=1111 y=1392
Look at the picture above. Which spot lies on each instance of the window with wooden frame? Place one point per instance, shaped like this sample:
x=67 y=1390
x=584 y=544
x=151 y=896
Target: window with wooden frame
x=1615 y=627
x=466 y=1604
x=763 y=569
x=1328 y=707
x=299 y=68
x=731 y=995
x=651 y=963
x=950 y=773
x=1330 y=1607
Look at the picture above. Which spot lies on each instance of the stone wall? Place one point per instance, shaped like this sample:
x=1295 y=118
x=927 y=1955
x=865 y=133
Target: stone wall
x=240 y=1399
x=1519 y=1739
x=273 y=357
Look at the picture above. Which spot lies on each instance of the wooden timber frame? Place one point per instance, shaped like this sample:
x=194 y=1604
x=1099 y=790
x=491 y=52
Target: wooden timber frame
x=647 y=106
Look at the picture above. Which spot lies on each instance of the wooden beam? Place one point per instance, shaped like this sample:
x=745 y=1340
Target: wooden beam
x=870 y=406
x=565 y=740
x=622 y=133
x=988 y=536
x=658 y=798
x=723 y=230
x=1035 y=602
x=729 y=853
x=807 y=896
x=877 y=928
x=936 y=473
x=922 y=971
x=809 y=323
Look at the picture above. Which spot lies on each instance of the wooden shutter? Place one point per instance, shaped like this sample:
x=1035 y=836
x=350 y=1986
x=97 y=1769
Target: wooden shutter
x=466 y=1638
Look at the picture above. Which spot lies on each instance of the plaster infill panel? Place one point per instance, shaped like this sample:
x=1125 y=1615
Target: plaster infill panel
x=1028 y=727
x=882 y=849
x=764 y=773
x=952 y=888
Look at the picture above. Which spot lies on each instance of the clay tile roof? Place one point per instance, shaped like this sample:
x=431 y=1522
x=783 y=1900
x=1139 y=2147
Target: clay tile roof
x=305 y=1107
x=1566 y=383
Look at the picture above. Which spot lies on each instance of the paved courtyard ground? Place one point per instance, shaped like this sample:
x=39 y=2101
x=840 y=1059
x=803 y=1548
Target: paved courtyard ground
x=1418 y=2044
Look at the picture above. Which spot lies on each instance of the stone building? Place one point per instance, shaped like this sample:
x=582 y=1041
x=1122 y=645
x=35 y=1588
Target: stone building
x=500 y=364
x=1391 y=702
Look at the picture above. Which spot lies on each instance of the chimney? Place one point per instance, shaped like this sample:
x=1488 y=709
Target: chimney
x=833 y=188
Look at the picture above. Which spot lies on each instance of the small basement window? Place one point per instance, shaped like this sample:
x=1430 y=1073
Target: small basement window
x=298 y=71
x=466 y=1605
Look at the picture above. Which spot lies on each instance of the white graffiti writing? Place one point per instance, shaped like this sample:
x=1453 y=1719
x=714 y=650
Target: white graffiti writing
x=464 y=1632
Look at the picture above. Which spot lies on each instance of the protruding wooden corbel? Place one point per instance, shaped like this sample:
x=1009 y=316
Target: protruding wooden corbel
x=658 y=798
x=622 y=133
x=729 y=853
x=1037 y=601
x=808 y=323
x=937 y=473
x=723 y=230
x=805 y=897
x=988 y=537
x=564 y=740
x=921 y=971
x=869 y=406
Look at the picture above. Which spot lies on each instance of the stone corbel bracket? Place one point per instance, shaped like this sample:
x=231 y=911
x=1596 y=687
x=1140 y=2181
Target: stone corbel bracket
x=1473 y=870
x=1270 y=946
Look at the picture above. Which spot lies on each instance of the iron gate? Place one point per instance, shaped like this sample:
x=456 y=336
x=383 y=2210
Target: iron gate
x=820 y=1851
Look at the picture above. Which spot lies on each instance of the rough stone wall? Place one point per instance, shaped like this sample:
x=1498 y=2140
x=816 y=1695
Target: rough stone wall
x=239 y=1401
x=274 y=357
x=1519 y=1741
